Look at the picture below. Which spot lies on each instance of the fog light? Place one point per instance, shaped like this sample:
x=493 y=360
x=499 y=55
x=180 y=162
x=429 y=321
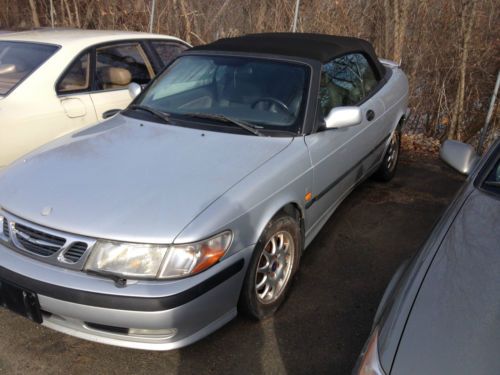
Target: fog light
x=153 y=333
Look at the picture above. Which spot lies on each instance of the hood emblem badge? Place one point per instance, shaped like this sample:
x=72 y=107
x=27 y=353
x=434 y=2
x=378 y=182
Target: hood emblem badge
x=47 y=211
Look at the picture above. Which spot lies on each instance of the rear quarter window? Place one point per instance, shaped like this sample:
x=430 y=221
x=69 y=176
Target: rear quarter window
x=18 y=60
x=167 y=51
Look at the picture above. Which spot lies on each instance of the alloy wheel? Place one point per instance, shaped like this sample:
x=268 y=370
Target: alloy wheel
x=274 y=267
x=393 y=152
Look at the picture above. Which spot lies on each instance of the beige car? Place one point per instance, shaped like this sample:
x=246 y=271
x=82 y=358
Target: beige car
x=53 y=82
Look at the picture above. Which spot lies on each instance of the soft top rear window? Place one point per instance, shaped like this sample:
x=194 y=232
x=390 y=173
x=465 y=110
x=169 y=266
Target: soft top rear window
x=18 y=60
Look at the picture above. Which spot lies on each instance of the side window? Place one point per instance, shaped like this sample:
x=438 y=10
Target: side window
x=492 y=182
x=167 y=51
x=345 y=81
x=77 y=77
x=118 y=65
x=367 y=74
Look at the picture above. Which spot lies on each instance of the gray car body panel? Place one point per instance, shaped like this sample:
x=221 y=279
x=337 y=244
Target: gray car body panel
x=192 y=320
x=455 y=320
x=137 y=181
x=450 y=250
x=121 y=180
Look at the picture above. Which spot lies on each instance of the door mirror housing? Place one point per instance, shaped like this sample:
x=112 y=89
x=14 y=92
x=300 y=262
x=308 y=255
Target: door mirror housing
x=134 y=89
x=459 y=156
x=342 y=117
x=110 y=113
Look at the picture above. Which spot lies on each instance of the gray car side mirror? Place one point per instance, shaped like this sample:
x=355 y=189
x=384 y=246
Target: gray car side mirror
x=134 y=89
x=459 y=156
x=341 y=117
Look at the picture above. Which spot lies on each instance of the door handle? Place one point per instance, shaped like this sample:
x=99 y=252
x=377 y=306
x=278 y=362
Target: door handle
x=370 y=115
x=110 y=113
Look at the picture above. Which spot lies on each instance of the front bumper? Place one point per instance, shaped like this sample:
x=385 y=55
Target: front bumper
x=174 y=313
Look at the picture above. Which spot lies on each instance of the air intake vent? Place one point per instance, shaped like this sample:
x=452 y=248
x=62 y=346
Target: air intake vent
x=75 y=252
x=47 y=245
x=36 y=241
x=5 y=227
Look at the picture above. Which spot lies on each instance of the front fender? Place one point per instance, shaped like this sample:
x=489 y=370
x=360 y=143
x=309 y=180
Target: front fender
x=247 y=207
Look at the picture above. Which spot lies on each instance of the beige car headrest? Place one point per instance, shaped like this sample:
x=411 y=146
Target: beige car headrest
x=7 y=68
x=116 y=76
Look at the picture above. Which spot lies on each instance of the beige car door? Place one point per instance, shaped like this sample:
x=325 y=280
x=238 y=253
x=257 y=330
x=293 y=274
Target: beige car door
x=73 y=94
x=116 y=66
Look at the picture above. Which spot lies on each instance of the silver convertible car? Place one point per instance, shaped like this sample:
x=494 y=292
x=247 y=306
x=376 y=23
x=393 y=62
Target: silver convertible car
x=440 y=314
x=154 y=228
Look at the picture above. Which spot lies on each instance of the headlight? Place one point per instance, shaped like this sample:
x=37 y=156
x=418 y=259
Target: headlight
x=368 y=362
x=129 y=260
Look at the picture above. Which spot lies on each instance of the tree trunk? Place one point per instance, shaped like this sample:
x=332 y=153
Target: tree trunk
x=467 y=22
x=400 y=24
x=34 y=14
x=68 y=12
x=77 y=14
x=187 y=21
x=387 y=28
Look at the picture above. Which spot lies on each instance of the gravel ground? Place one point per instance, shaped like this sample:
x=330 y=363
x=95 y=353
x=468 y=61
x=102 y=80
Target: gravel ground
x=322 y=326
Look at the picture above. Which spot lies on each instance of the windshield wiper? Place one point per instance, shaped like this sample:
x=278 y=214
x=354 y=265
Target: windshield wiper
x=165 y=117
x=495 y=184
x=242 y=124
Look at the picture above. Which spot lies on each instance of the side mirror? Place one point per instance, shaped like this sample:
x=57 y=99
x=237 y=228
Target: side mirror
x=341 y=117
x=110 y=113
x=134 y=89
x=459 y=156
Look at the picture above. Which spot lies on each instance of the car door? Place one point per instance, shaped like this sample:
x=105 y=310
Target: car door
x=342 y=157
x=73 y=94
x=116 y=66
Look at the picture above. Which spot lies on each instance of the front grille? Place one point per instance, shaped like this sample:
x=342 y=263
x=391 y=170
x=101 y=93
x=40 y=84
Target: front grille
x=75 y=252
x=5 y=227
x=36 y=241
x=48 y=245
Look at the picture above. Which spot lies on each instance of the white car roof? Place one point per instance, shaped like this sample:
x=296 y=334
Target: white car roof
x=77 y=37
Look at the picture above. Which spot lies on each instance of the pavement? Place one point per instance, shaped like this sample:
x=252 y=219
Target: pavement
x=322 y=326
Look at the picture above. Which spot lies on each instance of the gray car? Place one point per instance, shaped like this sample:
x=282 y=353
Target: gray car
x=154 y=228
x=440 y=313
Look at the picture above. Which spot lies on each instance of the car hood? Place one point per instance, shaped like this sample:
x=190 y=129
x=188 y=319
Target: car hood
x=454 y=325
x=130 y=180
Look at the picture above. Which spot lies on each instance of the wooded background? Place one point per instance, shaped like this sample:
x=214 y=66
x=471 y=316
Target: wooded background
x=448 y=48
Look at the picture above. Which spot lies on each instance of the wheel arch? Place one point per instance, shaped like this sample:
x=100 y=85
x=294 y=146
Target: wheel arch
x=290 y=208
x=401 y=118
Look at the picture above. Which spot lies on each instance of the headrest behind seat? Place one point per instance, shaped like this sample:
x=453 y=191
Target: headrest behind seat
x=113 y=77
x=7 y=68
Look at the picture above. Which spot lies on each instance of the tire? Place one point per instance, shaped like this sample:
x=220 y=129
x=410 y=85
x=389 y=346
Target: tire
x=387 y=168
x=278 y=248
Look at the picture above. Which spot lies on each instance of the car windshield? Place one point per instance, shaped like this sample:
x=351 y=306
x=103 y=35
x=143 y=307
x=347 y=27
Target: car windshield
x=18 y=60
x=267 y=94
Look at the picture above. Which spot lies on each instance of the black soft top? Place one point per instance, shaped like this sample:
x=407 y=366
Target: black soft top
x=319 y=47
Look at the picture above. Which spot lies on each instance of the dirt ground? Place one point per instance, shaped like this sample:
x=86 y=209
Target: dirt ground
x=322 y=326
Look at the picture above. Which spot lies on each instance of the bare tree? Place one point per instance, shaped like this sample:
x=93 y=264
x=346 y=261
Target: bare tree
x=449 y=48
x=401 y=8
x=34 y=13
x=467 y=18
